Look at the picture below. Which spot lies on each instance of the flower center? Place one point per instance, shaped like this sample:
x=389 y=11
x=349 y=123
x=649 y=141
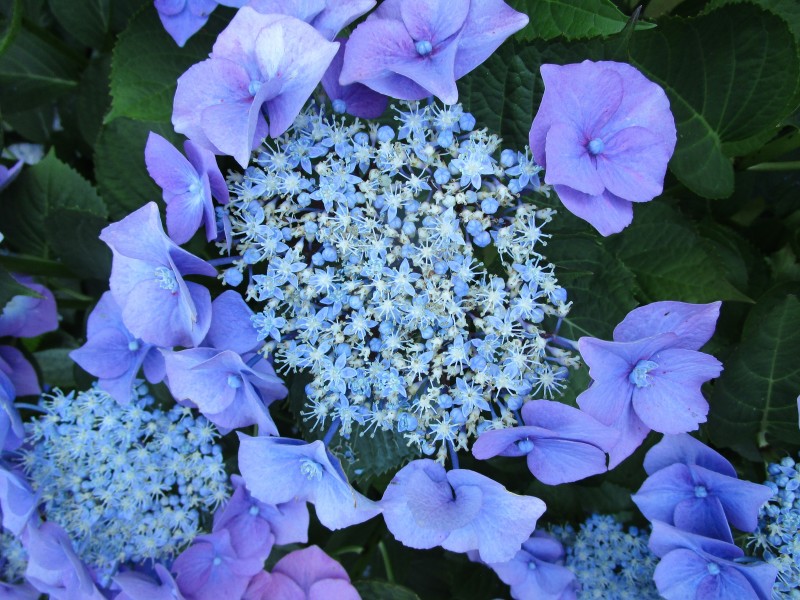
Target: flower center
x=700 y=491
x=640 y=375
x=234 y=381
x=133 y=346
x=311 y=469
x=254 y=86
x=217 y=561
x=166 y=279
x=532 y=566
x=595 y=146
x=525 y=445
x=423 y=47
x=339 y=106
x=713 y=568
x=254 y=510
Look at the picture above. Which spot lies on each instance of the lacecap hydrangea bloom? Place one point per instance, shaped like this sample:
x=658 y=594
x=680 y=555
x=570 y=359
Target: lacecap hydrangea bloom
x=364 y=251
x=127 y=484
x=604 y=133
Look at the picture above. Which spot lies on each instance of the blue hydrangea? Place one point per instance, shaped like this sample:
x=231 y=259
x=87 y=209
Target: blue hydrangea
x=13 y=558
x=608 y=561
x=126 y=483
x=399 y=269
x=777 y=539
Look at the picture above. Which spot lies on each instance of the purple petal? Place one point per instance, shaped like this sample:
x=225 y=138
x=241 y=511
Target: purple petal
x=570 y=162
x=17 y=501
x=568 y=423
x=333 y=588
x=433 y=20
x=19 y=371
x=632 y=434
x=683 y=448
x=168 y=167
x=309 y=565
x=730 y=583
x=607 y=213
x=679 y=574
x=501 y=442
x=207 y=388
x=186 y=212
x=338 y=14
x=106 y=354
x=666 y=538
x=12 y=431
x=29 y=316
x=740 y=499
x=633 y=164
x=183 y=25
x=231 y=325
x=694 y=324
x=554 y=461
x=360 y=101
x=137 y=586
x=704 y=516
x=169 y=7
x=7 y=175
x=672 y=402
x=205 y=162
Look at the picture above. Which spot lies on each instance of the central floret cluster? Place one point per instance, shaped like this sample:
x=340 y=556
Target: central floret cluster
x=126 y=483
x=401 y=268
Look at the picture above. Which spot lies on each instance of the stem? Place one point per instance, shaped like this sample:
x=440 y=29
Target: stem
x=225 y=260
x=27 y=406
x=254 y=359
x=564 y=342
x=387 y=565
x=453 y=454
x=789 y=165
x=33 y=265
x=331 y=431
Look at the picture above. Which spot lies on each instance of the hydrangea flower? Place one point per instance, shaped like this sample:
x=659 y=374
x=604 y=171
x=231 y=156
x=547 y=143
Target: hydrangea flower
x=537 y=571
x=411 y=49
x=562 y=444
x=694 y=497
x=113 y=355
x=17 y=501
x=188 y=186
x=776 y=539
x=211 y=569
x=328 y=17
x=355 y=99
x=9 y=174
x=138 y=586
x=17 y=375
x=425 y=506
x=157 y=305
x=306 y=574
x=125 y=483
x=649 y=377
x=695 y=567
x=260 y=66
x=29 y=316
x=183 y=18
x=604 y=133
x=278 y=470
x=608 y=561
x=374 y=284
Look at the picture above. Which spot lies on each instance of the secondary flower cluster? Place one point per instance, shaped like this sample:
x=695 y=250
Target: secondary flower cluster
x=776 y=538
x=127 y=484
x=398 y=267
x=691 y=495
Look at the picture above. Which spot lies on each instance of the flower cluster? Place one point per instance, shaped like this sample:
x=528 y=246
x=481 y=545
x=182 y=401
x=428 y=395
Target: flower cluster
x=401 y=268
x=776 y=538
x=126 y=483
x=608 y=561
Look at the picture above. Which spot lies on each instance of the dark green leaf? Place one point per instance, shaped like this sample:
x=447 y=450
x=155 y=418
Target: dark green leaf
x=730 y=75
x=36 y=194
x=670 y=261
x=119 y=165
x=72 y=234
x=35 y=69
x=87 y=21
x=147 y=63
x=11 y=26
x=93 y=98
x=57 y=367
x=9 y=287
x=599 y=285
x=35 y=125
x=373 y=455
x=571 y=19
x=371 y=589
x=754 y=402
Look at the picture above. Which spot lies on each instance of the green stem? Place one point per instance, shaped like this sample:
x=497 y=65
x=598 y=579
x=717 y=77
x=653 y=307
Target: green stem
x=776 y=148
x=387 y=565
x=789 y=165
x=33 y=265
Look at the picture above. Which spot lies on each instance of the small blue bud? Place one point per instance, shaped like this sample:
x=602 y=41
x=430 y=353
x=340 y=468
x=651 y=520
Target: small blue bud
x=508 y=158
x=474 y=227
x=409 y=228
x=339 y=106
x=329 y=254
x=482 y=240
x=424 y=47
x=595 y=146
x=441 y=175
x=317 y=260
x=440 y=267
x=385 y=134
x=466 y=122
x=489 y=206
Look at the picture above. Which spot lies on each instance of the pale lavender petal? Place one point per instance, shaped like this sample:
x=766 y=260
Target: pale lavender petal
x=359 y=100
x=19 y=371
x=168 y=167
x=231 y=325
x=694 y=324
x=633 y=164
x=434 y=20
x=183 y=25
x=607 y=213
x=18 y=502
x=309 y=565
x=570 y=162
x=683 y=448
x=501 y=442
x=338 y=14
x=29 y=316
x=333 y=588
x=555 y=461
x=568 y=423
x=204 y=161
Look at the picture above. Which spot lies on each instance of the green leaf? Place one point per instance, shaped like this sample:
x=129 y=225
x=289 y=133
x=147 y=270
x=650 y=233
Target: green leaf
x=87 y=21
x=81 y=250
x=670 y=260
x=57 y=367
x=93 y=98
x=598 y=283
x=10 y=287
x=36 y=69
x=371 y=589
x=36 y=194
x=374 y=455
x=120 y=171
x=147 y=63
x=571 y=19
x=754 y=402
x=730 y=75
x=11 y=27
x=35 y=125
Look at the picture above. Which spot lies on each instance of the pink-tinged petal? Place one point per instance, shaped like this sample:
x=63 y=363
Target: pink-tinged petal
x=683 y=448
x=434 y=20
x=568 y=423
x=338 y=14
x=373 y=49
x=607 y=213
x=633 y=164
x=679 y=574
x=282 y=587
x=693 y=324
x=555 y=461
x=489 y=23
x=309 y=565
x=570 y=161
x=672 y=402
x=19 y=371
